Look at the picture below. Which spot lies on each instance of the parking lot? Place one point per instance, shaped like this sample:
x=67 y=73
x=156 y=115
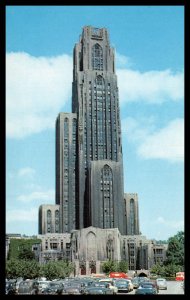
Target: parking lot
x=88 y=286
x=173 y=288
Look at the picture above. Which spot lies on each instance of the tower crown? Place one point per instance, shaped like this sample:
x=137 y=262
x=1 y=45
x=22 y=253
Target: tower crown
x=94 y=33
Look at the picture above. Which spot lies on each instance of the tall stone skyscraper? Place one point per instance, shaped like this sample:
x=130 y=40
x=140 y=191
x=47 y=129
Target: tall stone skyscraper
x=89 y=165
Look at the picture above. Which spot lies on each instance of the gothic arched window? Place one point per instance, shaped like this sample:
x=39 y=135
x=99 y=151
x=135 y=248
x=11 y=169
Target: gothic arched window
x=57 y=220
x=99 y=81
x=97 y=57
x=49 y=216
x=132 y=216
x=107 y=211
x=48 y=220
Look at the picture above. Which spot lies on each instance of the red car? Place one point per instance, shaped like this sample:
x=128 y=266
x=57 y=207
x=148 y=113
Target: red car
x=180 y=276
x=118 y=275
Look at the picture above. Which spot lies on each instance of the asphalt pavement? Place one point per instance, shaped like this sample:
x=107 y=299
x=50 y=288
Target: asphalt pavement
x=173 y=288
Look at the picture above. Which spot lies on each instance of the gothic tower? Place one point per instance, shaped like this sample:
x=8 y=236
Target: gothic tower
x=99 y=166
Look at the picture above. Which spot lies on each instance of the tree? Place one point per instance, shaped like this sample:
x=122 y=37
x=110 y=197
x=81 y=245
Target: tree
x=158 y=269
x=13 y=269
x=175 y=251
x=109 y=266
x=57 y=269
x=22 y=268
x=114 y=266
x=17 y=245
x=31 y=269
x=26 y=254
x=171 y=270
x=123 y=266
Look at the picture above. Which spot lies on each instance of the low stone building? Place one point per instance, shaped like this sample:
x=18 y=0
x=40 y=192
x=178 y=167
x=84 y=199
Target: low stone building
x=90 y=247
x=54 y=246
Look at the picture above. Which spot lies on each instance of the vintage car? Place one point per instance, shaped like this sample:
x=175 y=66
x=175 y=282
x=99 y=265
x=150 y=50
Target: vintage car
x=112 y=285
x=28 y=287
x=146 y=289
x=122 y=285
x=118 y=275
x=161 y=283
x=10 y=287
x=97 y=290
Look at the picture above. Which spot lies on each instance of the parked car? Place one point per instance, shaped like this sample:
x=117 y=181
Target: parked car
x=135 y=282
x=180 y=276
x=131 y=287
x=118 y=275
x=154 y=283
x=73 y=287
x=53 y=288
x=112 y=285
x=106 y=285
x=18 y=280
x=143 y=279
x=122 y=285
x=41 y=286
x=71 y=290
x=28 y=287
x=161 y=283
x=146 y=289
x=10 y=287
x=97 y=290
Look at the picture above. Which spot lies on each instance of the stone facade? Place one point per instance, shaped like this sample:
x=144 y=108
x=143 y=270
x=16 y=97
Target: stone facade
x=97 y=221
x=105 y=180
x=90 y=247
x=66 y=155
x=89 y=162
x=54 y=246
x=132 y=213
x=48 y=219
x=99 y=163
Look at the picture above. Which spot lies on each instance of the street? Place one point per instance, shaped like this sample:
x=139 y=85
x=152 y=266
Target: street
x=174 y=288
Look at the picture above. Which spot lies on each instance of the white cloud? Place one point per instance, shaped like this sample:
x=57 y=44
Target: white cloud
x=137 y=130
x=43 y=196
x=122 y=60
x=151 y=86
x=20 y=215
x=166 y=143
x=29 y=172
x=179 y=225
x=36 y=90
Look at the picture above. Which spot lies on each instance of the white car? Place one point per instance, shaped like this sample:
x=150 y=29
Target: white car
x=130 y=284
x=161 y=283
x=111 y=284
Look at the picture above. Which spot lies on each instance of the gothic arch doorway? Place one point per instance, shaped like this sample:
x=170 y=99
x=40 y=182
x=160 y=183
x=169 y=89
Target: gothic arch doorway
x=142 y=274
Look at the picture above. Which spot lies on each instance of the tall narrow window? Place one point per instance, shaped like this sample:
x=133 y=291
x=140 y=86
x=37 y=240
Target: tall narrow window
x=66 y=174
x=97 y=57
x=132 y=217
x=57 y=221
x=48 y=220
x=107 y=198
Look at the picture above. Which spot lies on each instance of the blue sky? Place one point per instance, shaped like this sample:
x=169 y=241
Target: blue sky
x=149 y=50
